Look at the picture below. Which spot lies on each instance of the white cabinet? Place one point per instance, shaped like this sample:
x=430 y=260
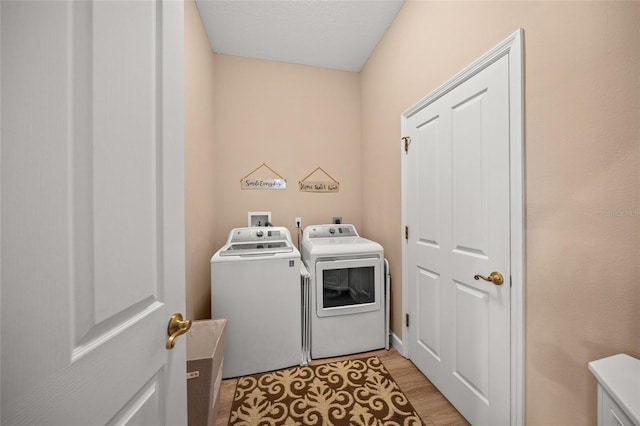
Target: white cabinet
x=610 y=413
x=618 y=390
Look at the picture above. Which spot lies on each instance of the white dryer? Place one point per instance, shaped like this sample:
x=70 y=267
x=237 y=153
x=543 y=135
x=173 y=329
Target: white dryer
x=256 y=286
x=349 y=291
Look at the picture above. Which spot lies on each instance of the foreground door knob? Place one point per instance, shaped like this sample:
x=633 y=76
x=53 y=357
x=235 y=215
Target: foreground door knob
x=176 y=328
x=495 y=277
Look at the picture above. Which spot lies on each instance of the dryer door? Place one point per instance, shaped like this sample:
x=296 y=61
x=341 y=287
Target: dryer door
x=348 y=286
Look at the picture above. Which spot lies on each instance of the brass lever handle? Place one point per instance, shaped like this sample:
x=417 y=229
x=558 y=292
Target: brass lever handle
x=495 y=277
x=176 y=327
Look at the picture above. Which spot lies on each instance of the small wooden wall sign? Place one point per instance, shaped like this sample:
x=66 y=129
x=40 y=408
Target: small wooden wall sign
x=319 y=186
x=331 y=185
x=249 y=182
x=260 y=183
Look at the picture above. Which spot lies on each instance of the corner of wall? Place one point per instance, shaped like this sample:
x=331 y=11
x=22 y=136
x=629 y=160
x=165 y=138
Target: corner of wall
x=199 y=163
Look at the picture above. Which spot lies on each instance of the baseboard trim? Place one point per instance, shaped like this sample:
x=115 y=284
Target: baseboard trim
x=397 y=343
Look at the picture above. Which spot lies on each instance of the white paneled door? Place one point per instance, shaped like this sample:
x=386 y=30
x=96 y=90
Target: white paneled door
x=92 y=221
x=457 y=210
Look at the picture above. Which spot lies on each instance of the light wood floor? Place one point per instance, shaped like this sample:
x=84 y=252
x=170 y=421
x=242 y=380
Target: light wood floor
x=432 y=407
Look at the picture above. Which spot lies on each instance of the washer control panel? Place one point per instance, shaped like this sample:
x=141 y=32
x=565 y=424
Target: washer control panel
x=239 y=235
x=331 y=231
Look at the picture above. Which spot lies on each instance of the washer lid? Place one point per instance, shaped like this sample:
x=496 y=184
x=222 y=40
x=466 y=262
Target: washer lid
x=256 y=248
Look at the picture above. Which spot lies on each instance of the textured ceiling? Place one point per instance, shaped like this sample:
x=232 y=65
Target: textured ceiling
x=322 y=33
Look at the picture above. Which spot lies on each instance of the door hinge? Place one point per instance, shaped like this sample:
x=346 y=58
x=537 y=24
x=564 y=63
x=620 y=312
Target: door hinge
x=406 y=233
x=407 y=141
x=406 y=320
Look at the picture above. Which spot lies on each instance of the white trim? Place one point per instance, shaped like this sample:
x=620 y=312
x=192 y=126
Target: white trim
x=502 y=49
x=517 y=196
x=397 y=343
x=0 y=197
x=513 y=47
x=405 y=254
x=171 y=17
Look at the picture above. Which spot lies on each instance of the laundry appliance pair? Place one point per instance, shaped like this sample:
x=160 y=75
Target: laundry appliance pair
x=280 y=314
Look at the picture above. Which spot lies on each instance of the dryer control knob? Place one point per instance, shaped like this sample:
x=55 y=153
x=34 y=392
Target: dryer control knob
x=259 y=233
x=332 y=231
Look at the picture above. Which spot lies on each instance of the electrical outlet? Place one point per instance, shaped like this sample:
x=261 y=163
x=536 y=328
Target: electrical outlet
x=337 y=219
x=298 y=222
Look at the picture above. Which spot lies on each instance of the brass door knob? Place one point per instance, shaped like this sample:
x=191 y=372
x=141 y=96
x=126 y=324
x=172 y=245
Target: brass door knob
x=176 y=327
x=495 y=277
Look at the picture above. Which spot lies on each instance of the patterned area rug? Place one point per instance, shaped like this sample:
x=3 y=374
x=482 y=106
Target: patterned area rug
x=351 y=392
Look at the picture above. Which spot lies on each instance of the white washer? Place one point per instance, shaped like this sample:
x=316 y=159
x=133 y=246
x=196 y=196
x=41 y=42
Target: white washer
x=349 y=291
x=256 y=286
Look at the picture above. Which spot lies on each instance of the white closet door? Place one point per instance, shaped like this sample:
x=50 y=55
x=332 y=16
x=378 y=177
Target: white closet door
x=458 y=213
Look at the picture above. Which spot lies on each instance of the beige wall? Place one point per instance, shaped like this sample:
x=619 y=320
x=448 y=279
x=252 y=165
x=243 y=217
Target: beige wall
x=582 y=103
x=294 y=118
x=199 y=157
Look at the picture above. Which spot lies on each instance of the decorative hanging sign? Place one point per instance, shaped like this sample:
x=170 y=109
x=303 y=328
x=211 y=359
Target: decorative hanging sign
x=249 y=182
x=324 y=185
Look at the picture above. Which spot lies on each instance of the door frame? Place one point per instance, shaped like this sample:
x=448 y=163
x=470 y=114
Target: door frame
x=513 y=47
x=0 y=208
